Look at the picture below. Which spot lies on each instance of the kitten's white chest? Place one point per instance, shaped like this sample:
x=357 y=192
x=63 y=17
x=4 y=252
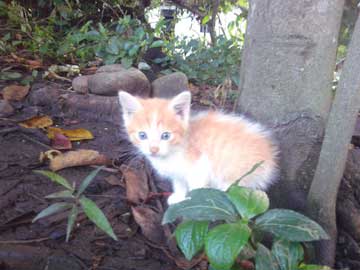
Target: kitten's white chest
x=174 y=166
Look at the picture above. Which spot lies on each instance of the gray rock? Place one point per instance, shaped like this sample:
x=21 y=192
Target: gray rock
x=5 y=108
x=170 y=85
x=131 y=80
x=111 y=68
x=80 y=84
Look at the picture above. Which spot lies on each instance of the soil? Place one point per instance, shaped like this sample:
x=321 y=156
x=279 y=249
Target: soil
x=41 y=245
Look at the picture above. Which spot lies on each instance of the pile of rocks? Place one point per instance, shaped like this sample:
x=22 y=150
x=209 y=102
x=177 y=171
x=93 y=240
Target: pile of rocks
x=110 y=79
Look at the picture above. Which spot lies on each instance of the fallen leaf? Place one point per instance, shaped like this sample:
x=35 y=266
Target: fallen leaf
x=61 y=142
x=149 y=222
x=37 y=122
x=77 y=158
x=114 y=181
x=73 y=134
x=31 y=64
x=15 y=92
x=137 y=188
x=48 y=155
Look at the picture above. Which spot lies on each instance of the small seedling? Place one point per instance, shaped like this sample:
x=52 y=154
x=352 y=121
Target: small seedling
x=75 y=200
x=242 y=216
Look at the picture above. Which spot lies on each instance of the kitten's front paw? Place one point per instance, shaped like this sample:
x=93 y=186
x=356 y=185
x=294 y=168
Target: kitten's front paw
x=175 y=198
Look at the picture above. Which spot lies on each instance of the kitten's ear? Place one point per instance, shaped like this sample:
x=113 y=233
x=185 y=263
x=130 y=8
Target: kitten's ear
x=181 y=105
x=129 y=105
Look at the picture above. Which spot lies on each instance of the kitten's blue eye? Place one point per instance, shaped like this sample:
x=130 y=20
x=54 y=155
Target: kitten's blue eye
x=165 y=136
x=142 y=135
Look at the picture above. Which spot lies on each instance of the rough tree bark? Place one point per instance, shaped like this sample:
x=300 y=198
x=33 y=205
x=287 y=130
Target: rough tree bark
x=285 y=82
x=339 y=129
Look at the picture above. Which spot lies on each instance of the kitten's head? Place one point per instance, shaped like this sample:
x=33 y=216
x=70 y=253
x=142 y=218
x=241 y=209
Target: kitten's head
x=156 y=126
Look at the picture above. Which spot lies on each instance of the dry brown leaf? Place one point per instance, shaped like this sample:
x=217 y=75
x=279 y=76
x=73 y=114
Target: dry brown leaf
x=78 y=158
x=30 y=64
x=49 y=155
x=73 y=134
x=15 y=92
x=37 y=122
x=61 y=142
x=137 y=188
x=150 y=223
x=114 y=180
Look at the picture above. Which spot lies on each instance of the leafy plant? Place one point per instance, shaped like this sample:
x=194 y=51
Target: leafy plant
x=241 y=216
x=76 y=201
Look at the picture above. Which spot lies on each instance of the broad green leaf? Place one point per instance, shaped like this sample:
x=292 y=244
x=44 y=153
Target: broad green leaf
x=134 y=50
x=86 y=182
x=52 y=209
x=303 y=266
x=290 y=225
x=205 y=20
x=287 y=254
x=224 y=243
x=190 y=236
x=60 y=194
x=113 y=47
x=126 y=62
x=203 y=204
x=248 y=202
x=56 y=178
x=97 y=216
x=264 y=260
x=257 y=165
x=6 y=75
x=71 y=221
x=157 y=43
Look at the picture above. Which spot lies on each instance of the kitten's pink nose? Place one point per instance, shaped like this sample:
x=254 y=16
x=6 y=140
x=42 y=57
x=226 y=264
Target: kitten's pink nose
x=154 y=149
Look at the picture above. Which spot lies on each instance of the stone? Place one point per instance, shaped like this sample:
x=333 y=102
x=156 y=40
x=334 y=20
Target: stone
x=5 y=108
x=170 y=85
x=130 y=80
x=80 y=84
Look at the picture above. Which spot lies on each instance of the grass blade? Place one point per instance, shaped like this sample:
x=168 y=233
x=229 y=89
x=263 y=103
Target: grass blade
x=97 y=216
x=257 y=165
x=71 y=221
x=60 y=194
x=52 y=209
x=85 y=183
x=56 y=178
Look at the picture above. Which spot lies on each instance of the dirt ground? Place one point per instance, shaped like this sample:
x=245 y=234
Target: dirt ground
x=41 y=245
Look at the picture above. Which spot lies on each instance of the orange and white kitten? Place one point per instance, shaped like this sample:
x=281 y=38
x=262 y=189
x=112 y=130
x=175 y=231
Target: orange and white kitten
x=211 y=149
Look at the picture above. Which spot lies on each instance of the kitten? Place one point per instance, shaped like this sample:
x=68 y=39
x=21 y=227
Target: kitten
x=211 y=149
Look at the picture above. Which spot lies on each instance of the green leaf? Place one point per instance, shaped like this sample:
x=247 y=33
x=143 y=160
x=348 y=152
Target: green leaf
x=224 y=243
x=134 y=50
x=127 y=62
x=112 y=47
x=290 y=225
x=257 y=165
x=264 y=260
x=203 y=204
x=52 y=209
x=86 y=182
x=287 y=254
x=248 y=202
x=60 y=194
x=56 y=178
x=205 y=20
x=157 y=43
x=10 y=75
x=303 y=266
x=71 y=221
x=97 y=216
x=190 y=236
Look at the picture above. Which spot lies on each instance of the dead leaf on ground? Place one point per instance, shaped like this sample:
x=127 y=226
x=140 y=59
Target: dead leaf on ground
x=15 y=92
x=73 y=134
x=37 y=122
x=30 y=64
x=137 y=188
x=61 y=142
x=75 y=158
x=150 y=223
x=48 y=155
x=114 y=180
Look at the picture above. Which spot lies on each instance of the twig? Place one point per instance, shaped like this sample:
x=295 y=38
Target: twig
x=37 y=142
x=25 y=241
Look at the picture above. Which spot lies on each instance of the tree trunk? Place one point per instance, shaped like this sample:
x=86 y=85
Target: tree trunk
x=285 y=81
x=339 y=130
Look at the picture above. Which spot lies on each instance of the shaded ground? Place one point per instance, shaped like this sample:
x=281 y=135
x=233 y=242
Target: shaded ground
x=41 y=245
